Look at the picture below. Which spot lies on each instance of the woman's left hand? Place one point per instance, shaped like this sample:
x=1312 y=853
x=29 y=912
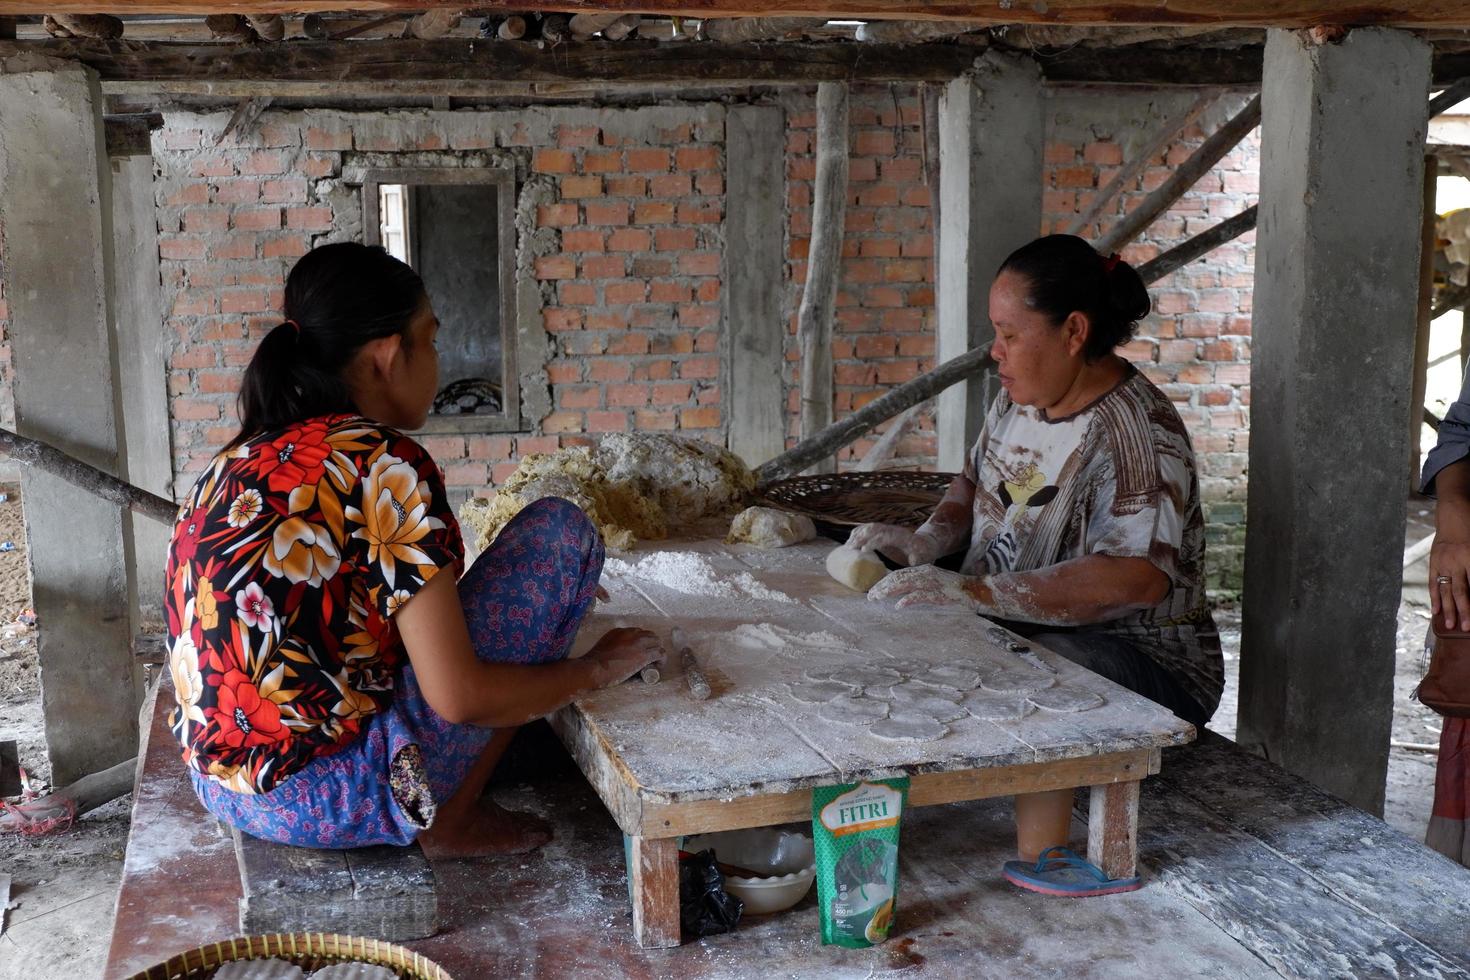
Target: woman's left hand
x=926 y=585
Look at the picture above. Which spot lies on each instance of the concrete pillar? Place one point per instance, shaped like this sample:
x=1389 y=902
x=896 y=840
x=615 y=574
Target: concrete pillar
x=1337 y=280
x=57 y=219
x=991 y=135
x=142 y=371
x=754 y=273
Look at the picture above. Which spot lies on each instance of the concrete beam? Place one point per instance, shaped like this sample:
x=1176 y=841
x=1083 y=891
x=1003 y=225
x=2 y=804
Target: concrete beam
x=57 y=220
x=1337 y=280
x=755 y=250
x=991 y=134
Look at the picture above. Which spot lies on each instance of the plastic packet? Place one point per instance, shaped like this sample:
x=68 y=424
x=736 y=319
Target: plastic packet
x=705 y=908
x=855 y=829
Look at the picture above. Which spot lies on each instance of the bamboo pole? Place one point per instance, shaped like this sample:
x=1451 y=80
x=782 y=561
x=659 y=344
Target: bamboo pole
x=824 y=264
x=1206 y=241
x=49 y=459
x=1221 y=142
x=1419 y=382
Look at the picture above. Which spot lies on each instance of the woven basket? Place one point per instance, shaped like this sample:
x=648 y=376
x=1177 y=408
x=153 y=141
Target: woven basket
x=842 y=501
x=308 y=950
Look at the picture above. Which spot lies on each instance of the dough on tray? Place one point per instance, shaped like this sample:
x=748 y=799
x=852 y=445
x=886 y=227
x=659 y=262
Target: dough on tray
x=1066 y=699
x=854 y=710
x=820 y=692
x=909 y=727
x=767 y=527
x=1016 y=680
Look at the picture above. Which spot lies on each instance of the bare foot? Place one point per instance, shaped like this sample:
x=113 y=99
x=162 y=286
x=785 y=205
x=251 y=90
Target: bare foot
x=489 y=830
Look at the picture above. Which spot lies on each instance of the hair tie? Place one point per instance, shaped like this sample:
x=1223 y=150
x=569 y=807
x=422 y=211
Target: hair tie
x=1110 y=263
x=295 y=327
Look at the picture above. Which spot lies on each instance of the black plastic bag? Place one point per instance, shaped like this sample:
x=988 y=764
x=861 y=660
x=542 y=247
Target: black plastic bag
x=705 y=909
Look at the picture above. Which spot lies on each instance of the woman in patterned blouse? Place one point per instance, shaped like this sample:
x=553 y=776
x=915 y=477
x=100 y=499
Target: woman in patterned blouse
x=333 y=688
x=1077 y=518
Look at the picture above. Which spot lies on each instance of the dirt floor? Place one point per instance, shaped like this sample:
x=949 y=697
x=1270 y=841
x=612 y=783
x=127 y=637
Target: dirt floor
x=64 y=886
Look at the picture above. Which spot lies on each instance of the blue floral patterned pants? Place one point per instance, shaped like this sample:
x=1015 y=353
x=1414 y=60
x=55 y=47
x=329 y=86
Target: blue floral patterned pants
x=524 y=599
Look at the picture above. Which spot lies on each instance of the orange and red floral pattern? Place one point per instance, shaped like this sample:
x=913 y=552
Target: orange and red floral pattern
x=289 y=558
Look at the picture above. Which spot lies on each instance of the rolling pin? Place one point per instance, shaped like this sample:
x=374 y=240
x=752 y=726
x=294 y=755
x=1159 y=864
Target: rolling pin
x=698 y=684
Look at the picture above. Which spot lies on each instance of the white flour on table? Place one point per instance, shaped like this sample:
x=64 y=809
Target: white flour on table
x=692 y=574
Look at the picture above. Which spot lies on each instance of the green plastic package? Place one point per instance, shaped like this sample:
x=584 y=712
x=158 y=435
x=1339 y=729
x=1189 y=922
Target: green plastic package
x=855 y=828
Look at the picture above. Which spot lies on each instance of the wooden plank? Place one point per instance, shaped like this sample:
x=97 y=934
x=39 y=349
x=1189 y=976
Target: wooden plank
x=1419 y=383
x=926 y=789
x=1359 y=857
x=9 y=768
x=386 y=892
x=1112 y=828
x=342 y=65
x=1243 y=13
x=653 y=871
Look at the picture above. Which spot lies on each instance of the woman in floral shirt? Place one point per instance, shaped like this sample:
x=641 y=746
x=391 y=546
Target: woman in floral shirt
x=334 y=690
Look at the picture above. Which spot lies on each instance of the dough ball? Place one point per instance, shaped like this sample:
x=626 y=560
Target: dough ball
x=860 y=570
x=766 y=528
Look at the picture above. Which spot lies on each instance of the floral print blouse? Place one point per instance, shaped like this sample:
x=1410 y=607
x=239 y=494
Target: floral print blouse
x=290 y=556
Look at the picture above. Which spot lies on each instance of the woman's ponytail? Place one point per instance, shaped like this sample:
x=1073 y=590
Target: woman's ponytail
x=338 y=298
x=1065 y=274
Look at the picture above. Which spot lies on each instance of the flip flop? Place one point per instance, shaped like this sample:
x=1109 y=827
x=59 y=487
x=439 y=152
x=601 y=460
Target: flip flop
x=1059 y=871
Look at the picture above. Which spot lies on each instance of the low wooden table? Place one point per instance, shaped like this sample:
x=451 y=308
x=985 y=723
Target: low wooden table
x=668 y=766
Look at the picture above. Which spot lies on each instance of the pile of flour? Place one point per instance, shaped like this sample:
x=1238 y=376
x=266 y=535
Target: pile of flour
x=692 y=574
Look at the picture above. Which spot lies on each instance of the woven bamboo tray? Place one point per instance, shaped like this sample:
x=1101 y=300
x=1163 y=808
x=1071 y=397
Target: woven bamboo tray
x=841 y=501
x=308 y=950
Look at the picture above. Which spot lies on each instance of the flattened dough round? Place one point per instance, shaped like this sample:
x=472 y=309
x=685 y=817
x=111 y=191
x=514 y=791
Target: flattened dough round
x=1016 y=680
x=820 y=692
x=855 y=569
x=997 y=707
x=906 y=727
x=854 y=711
x=1066 y=699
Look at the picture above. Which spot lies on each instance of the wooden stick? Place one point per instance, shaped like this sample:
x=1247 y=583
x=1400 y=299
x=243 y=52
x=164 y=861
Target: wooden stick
x=1418 y=549
x=840 y=433
x=86 y=794
x=49 y=459
x=1424 y=317
x=883 y=449
x=1449 y=98
x=699 y=687
x=737 y=29
x=1221 y=142
x=1130 y=170
x=1206 y=241
x=824 y=263
x=1451 y=299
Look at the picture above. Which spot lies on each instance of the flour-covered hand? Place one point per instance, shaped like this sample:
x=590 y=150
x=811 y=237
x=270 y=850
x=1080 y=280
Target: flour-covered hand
x=926 y=585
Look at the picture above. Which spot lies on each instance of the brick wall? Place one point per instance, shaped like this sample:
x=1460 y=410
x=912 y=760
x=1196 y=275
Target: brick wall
x=621 y=242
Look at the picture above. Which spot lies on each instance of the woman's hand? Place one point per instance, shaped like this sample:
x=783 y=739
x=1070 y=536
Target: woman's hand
x=623 y=652
x=913 y=547
x=927 y=585
x=1449 y=559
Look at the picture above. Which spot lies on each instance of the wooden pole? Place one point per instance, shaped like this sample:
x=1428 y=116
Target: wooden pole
x=1420 y=382
x=1206 y=241
x=1221 y=142
x=824 y=263
x=1130 y=170
x=35 y=453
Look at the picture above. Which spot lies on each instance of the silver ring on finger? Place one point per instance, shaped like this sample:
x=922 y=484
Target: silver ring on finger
x=1443 y=580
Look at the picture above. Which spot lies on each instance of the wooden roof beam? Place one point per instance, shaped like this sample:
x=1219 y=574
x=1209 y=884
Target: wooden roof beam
x=1238 y=13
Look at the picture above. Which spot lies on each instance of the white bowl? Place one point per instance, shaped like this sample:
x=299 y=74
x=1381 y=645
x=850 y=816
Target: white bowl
x=789 y=857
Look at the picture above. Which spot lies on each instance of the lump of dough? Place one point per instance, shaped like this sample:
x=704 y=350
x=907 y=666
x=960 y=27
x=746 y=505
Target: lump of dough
x=766 y=528
x=860 y=570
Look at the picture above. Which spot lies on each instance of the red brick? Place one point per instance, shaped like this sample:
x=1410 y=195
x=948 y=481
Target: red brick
x=700 y=264
x=319 y=166
x=328 y=139
x=625 y=291
x=654 y=419
x=217 y=382
x=602 y=163
x=556 y=215
x=697 y=158
x=581 y=186
x=290 y=190
x=243 y=301
x=563 y=373
x=309 y=219
x=607 y=213
x=444 y=447
x=876 y=345
x=607 y=421
x=194 y=409
x=577 y=135
x=258 y=219
x=211 y=166
x=647 y=161
x=1177 y=351
x=897 y=372
x=699 y=367
x=607 y=319
x=699 y=418
x=181 y=248
x=604 y=267
x=489 y=447
x=652 y=267
x=1103 y=154
x=854 y=374
x=625 y=186
x=558 y=319
x=501 y=472
x=555 y=267
x=188 y=194
x=563 y=422
x=675 y=239
x=577 y=293
x=629 y=240
x=692 y=214
x=668 y=292
x=198 y=221
x=653 y=213
x=285 y=247
x=264 y=162
x=627 y=395
x=628 y=343
x=697 y=316
x=536 y=444
x=604 y=370
x=466 y=474
x=1074 y=177
x=589 y=396
x=1059 y=153
x=676 y=393
x=582 y=240
x=671 y=185
x=195 y=303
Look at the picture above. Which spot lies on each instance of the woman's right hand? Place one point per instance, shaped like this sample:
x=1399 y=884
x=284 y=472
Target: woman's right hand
x=913 y=547
x=623 y=652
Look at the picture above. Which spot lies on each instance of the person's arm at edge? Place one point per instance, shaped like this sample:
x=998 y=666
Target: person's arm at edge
x=1450 y=555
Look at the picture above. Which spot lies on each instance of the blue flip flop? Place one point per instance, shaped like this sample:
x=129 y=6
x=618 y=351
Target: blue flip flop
x=1059 y=871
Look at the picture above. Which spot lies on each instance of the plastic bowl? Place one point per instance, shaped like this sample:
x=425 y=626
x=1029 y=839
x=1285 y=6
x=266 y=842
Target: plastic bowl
x=789 y=857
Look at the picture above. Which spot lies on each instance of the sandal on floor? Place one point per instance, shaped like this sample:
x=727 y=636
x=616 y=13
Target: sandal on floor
x=1059 y=871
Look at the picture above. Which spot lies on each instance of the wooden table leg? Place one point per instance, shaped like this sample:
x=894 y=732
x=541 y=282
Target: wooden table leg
x=653 y=870
x=1112 y=828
